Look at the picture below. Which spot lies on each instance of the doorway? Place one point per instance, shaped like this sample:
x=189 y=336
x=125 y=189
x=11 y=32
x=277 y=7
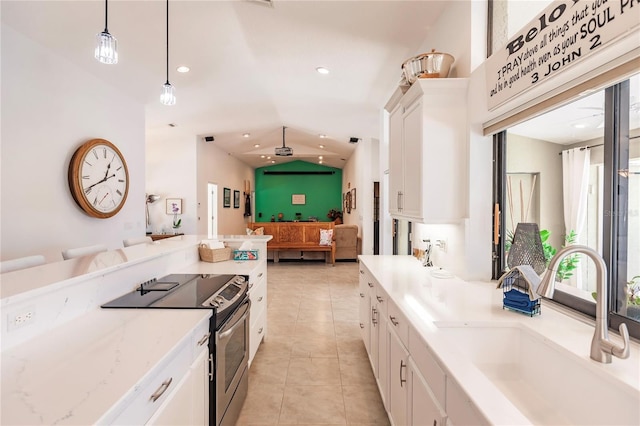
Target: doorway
x=212 y=210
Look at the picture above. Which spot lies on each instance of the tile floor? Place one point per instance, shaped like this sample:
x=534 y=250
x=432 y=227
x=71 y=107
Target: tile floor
x=313 y=368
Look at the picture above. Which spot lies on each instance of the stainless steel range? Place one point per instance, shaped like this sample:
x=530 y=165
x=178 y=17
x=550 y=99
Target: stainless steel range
x=227 y=296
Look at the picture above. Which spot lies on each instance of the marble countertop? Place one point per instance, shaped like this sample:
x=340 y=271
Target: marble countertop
x=426 y=300
x=77 y=373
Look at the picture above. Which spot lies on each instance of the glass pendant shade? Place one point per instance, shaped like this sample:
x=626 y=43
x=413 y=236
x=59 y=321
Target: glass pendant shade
x=168 y=96
x=106 y=48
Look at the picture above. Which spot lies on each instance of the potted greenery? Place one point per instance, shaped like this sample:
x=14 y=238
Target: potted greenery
x=335 y=216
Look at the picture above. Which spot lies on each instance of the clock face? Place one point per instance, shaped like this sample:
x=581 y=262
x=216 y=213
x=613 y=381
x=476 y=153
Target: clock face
x=98 y=178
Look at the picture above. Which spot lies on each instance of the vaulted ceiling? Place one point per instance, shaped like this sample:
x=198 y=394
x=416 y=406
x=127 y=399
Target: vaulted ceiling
x=253 y=65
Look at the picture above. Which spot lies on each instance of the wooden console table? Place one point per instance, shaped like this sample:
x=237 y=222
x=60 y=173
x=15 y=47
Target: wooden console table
x=303 y=236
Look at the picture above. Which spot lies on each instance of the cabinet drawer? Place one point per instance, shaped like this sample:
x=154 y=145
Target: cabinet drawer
x=156 y=387
x=257 y=276
x=398 y=322
x=200 y=338
x=257 y=332
x=427 y=365
x=258 y=298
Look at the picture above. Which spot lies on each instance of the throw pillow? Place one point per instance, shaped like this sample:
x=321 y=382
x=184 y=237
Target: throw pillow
x=259 y=231
x=326 y=235
x=250 y=231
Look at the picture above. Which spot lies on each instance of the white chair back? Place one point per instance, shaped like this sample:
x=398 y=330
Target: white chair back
x=83 y=251
x=21 y=263
x=137 y=240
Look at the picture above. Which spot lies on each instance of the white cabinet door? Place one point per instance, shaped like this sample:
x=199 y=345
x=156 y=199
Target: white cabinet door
x=398 y=388
x=412 y=160
x=364 y=290
x=396 y=178
x=428 y=133
x=383 y=361
x=188 y=403
x=424 y=408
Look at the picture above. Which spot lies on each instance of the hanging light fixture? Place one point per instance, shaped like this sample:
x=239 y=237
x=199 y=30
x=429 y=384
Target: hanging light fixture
x=168 y=96
x=106 y=44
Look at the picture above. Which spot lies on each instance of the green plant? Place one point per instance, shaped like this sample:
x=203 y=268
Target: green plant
x=633 y=290
x=334 y=214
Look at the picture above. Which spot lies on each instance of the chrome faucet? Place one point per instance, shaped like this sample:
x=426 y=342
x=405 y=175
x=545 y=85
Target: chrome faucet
x=601 y=347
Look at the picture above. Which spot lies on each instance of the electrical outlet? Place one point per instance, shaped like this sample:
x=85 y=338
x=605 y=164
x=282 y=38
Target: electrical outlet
x=21 y=318
x=442 y=245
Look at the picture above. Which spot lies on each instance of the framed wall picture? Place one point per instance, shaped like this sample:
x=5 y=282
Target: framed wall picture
x=236 y=199
x=226 y=197
x=174 y=205
x=353 y=198
x=298 y=199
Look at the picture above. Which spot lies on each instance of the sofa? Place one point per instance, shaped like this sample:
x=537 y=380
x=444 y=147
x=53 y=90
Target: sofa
x=347 y=242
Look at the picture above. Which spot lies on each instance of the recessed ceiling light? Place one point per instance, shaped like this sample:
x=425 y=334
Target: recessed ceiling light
x=320 y=157
x=322 y=136
x=269 y=158
x=580 y=126
x=246 y=135
x=273 y=161
x=320 y=162
x=256 y=145
x=321 y=146
x=322 y=70
x=183 y=68
x=262 y=156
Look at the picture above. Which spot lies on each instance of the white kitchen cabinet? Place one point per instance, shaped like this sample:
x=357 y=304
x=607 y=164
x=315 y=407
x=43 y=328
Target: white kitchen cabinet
x=428 y=152
x=365 y=285
x=188 y=403
x=398 y=388
x=258 y=313
x=177 y=390
x=424 y=407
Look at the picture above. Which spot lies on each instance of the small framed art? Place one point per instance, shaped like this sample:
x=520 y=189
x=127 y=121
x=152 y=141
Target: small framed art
x=226 y=197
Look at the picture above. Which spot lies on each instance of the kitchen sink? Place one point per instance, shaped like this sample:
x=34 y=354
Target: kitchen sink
x=547 y=383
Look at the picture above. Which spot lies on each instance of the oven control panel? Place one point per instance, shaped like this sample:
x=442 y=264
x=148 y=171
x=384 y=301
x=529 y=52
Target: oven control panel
x=235 y=289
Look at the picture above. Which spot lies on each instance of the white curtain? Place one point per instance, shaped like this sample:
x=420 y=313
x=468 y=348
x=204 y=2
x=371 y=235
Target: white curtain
x=575 y=189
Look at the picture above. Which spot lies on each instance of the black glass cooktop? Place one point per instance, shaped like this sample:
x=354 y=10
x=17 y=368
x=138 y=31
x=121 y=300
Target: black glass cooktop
x=173 y=291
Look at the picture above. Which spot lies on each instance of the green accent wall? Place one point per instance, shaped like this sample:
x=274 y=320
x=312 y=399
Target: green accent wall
x=273 y=192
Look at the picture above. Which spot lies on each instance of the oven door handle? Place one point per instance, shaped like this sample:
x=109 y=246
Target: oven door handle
x=236 y=320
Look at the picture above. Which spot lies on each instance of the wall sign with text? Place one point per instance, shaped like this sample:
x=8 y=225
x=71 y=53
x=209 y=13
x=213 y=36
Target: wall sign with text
x=566 y=32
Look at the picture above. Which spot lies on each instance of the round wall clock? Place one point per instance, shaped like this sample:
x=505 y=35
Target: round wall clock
x=99 y=178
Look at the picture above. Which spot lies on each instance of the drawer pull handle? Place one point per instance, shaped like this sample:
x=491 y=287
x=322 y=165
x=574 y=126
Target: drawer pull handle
x=374 y=316
x=379 y=299
x=402 y=365
x=361 y=294
x=361 y=325
x=204 y=339
x=393 y=321
x=260 y=299
x=211 y=366
x=250 y=285
x=260 y=275
x=361 y=271
x=163 y=387
x=260 y=330
x=370 y=285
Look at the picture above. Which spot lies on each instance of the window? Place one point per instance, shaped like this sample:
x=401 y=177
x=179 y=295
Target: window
x=561 y=170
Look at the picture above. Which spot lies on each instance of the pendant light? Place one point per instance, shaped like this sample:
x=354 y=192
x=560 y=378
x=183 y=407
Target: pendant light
x=168 y=96
x=106 y=44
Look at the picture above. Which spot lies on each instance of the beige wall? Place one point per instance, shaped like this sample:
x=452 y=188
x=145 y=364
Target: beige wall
x=49 y=108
